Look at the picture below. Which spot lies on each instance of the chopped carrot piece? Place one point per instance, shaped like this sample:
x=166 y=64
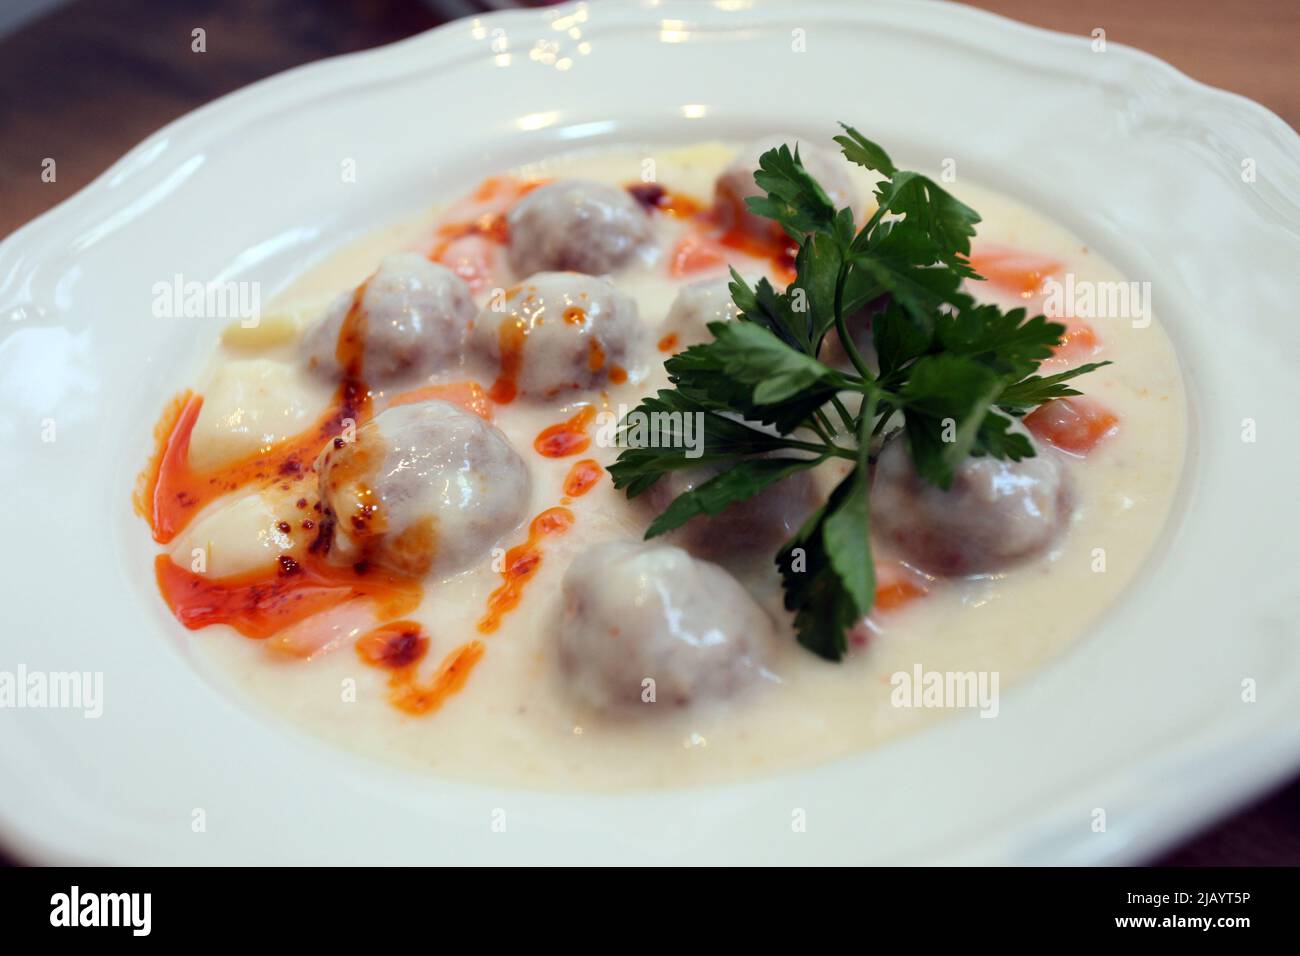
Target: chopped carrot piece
x=895 y=594
x=696 y=254
x=1077 y=425
x=471 y=256
x=896 y=586
x=1013 y=270
x=468 y=395
x=473 y=229
x=1080 y=342
x=776 y=247
x=494 y=186
x=503 y=189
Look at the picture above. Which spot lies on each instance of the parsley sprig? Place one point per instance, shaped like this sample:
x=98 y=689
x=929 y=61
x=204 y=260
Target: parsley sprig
x=951 y=372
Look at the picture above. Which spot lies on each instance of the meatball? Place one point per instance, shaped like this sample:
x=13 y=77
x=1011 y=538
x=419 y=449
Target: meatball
x=737 y=182
x=638 y=612
x=575 y=225
x=698 y=304
x=559 y=331
x=755 y=525
x=409 y=319
x=995 y=514
x=425 y=488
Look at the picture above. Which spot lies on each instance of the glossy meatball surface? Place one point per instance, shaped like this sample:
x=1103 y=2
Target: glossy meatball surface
x=425 y=488
x=648 y=626
x=558 y=332
x=736 y=182
x=698 y=304
x=576 y=225
x=409 y=319
x=996 y=514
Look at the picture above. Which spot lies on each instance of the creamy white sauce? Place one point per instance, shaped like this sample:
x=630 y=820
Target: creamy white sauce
x=514 y=723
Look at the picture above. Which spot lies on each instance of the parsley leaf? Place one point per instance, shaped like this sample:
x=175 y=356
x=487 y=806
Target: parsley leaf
x=825 y=606
x=1034 y=390
x=754 y=356
x=944 y=403
x=742 y=480
x=794 y=199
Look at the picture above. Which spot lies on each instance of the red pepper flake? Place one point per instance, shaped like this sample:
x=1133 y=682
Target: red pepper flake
x=395 y=645
x=324 y=537
x=655 y=198
x=649 y=195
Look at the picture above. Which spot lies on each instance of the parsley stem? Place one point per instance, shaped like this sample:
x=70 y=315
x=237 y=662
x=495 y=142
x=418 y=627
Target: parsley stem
x=845 y=417
x=880 y=425
x=864 y=423
x=841 y=326
x=822 y=426
x=829 y=449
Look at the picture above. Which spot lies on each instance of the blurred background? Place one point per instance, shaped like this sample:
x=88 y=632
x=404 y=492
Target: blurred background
x=85 y=80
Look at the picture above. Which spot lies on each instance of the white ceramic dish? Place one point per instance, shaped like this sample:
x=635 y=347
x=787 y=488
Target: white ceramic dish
x=1144 y=718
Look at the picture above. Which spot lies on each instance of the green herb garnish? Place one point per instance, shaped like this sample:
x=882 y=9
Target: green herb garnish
x=952 y=373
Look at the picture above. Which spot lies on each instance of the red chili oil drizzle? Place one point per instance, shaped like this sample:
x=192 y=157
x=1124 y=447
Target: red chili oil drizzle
x=582 y=477
x=171 y=492
x=510 y=343
x=398 y=647
x=468 y=395
x=522 y=562
x=261 y=603
x=568 y=437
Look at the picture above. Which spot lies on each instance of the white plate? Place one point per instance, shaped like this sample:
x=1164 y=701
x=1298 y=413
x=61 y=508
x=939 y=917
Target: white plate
x=1144 y=718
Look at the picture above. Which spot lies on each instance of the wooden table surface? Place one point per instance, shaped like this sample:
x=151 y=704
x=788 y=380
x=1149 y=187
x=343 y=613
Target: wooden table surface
x=91 y=79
